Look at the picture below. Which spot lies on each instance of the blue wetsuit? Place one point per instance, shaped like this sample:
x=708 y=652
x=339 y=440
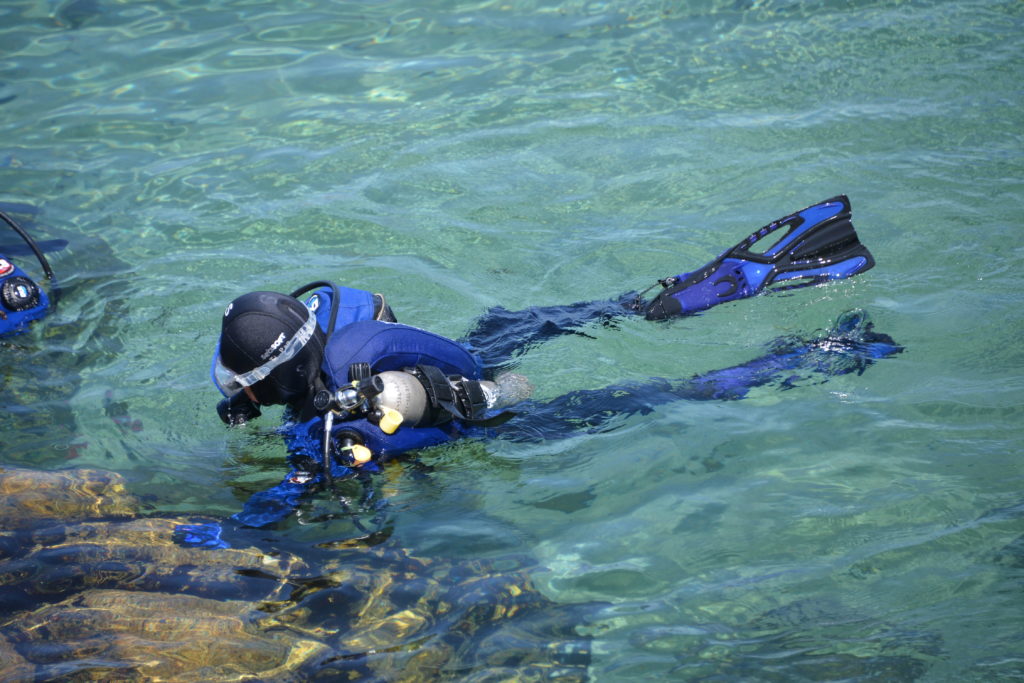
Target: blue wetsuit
x=810 y=246
x=500 y=335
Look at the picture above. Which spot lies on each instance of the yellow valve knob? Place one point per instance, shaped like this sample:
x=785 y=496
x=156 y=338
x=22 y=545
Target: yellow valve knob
x=390 y=421
x=361 y=454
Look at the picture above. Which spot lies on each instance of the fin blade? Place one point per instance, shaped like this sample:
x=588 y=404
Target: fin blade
x=800 y=225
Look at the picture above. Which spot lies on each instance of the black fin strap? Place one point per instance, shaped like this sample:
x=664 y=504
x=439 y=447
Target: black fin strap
x=638 y=303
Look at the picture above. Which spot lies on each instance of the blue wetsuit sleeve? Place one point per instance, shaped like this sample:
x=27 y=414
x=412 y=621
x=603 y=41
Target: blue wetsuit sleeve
x=201 y=535
x=274 y=504
x=305 y=443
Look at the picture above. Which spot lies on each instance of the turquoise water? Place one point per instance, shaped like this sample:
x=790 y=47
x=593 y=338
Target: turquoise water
x=460 y=155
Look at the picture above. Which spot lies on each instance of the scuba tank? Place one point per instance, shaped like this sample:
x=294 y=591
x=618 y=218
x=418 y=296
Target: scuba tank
x=420 y=397
x=423 y=396
x=22 y=300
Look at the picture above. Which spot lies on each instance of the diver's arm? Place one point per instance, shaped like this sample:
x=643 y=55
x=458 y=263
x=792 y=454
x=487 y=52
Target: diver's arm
x=303 y=441
x=266 y=507
x=261 y=510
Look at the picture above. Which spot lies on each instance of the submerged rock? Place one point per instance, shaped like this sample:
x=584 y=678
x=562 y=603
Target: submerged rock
x=108 y=634
x=14 y=667
x=32 y=498
x=89 y=591
x=137 y=555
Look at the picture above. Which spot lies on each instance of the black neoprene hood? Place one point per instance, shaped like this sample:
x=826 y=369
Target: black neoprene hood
x=255 y=328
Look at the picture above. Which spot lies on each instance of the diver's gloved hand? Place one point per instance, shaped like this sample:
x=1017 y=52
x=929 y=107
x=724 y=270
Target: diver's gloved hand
x=199 y=536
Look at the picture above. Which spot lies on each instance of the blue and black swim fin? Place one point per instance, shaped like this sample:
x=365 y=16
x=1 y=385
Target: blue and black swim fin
x=819 y=244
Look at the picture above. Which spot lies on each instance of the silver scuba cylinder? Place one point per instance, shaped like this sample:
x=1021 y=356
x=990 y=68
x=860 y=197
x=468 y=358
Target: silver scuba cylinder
x=405 y=393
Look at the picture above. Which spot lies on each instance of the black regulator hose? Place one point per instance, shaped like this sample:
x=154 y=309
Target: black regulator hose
x=30 y=242
x=335 y=299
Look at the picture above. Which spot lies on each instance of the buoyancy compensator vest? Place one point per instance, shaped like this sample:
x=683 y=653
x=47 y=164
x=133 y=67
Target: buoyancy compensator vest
x=401 y=357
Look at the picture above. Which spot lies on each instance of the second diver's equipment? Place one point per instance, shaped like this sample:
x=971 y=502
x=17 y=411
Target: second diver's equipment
x=22 y=300
x=819 y=244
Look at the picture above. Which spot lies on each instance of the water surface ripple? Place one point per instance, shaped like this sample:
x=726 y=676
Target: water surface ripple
x=459 y=155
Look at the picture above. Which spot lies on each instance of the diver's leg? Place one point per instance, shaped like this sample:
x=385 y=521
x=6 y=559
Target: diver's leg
x=809 y=247
x=851 y=346
x=500 y=334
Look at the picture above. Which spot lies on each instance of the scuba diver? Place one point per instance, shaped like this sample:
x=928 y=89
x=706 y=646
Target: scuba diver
x=361 y=387
x=22 y=300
